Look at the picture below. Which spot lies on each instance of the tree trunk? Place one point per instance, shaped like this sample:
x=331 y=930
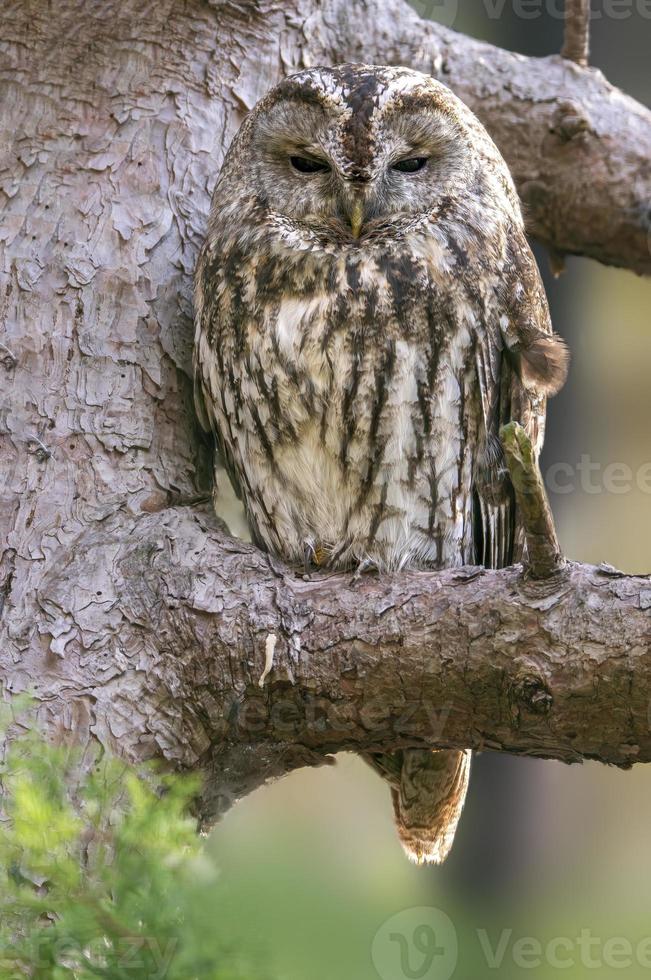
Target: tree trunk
x=126 y=610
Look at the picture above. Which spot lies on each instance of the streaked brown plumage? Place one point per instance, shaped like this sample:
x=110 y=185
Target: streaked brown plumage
x=368 y=313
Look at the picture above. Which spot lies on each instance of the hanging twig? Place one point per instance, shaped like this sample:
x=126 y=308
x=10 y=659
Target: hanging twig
x=544 y=553
x=576 y=44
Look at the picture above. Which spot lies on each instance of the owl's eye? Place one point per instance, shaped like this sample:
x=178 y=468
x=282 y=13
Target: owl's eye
x=410 y=166
x=305 y=165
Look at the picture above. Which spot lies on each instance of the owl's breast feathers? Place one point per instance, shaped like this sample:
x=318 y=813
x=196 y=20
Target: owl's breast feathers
x=357 y=395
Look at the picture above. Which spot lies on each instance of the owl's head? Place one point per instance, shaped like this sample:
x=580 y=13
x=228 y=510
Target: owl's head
x=351 y=153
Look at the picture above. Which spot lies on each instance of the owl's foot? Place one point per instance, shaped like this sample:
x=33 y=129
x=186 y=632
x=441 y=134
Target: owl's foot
x=314 y=556
x=308 y=552
x=365 y=567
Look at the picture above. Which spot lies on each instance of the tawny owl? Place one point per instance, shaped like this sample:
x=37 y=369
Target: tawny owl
x=368 y=312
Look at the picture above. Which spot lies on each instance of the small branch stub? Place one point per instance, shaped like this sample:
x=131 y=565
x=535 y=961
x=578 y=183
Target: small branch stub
x=269 y=650
x=7 y=358
x=532 y=692
x=576 y=44
x=544 y=553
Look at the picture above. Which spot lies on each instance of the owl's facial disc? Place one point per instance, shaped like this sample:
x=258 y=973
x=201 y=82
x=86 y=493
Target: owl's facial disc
x=345 y=175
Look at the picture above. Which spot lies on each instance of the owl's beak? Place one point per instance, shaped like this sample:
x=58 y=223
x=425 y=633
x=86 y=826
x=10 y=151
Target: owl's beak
x=357 y=218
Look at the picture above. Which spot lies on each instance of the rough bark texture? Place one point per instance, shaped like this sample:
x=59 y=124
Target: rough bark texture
x=155 y=630
x=135 y=621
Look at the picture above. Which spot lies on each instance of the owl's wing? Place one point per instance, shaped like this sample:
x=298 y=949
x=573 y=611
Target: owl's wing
x=200 y=406
x=520 y=362
x=208 y=302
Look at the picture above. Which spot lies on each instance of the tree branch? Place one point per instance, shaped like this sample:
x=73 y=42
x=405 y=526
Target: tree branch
x=544 y=556
x=578 y=148
x=166 y=622
x=576 y=42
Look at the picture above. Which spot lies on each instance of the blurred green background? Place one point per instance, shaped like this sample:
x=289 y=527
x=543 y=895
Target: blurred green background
x=311 y=865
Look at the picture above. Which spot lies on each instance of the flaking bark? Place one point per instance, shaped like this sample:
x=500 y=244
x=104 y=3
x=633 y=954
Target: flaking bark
x=154 y=633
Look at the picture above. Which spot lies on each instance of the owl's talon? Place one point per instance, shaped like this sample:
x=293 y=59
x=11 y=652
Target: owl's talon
x=308 y=553
x=368 y=566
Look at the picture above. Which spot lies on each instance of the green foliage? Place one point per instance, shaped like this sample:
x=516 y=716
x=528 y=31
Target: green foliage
x=103 y=874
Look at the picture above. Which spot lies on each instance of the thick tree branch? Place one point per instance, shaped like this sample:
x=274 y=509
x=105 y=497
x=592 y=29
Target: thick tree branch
x=157 y=628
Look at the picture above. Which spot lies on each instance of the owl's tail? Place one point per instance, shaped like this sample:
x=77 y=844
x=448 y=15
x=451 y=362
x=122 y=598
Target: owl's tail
x=428 y=790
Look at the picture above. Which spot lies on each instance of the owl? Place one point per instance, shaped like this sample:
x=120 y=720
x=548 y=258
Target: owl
x=368 y=313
